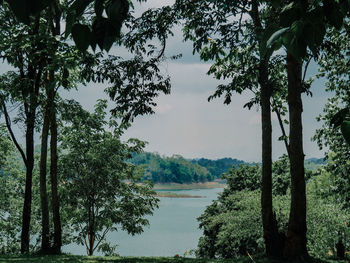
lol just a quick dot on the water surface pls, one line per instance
(173, 227)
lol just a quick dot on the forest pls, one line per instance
(79, 184)
(177, 169)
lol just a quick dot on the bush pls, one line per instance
(232, 224)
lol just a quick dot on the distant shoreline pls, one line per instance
(176, 186)
(175, 195)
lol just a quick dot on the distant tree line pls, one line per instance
(177, 169)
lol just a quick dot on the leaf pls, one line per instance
(79, 6)
(275, 36)
(339, 117)
(265, 35)
(69, 22)
(118, 10)
(333, 13)
(36, 6)
(345, 129)
(289, 14)
(98, 31)
(297, 28)
(98, 7)
(81, 35)
(275, 3)
(20, 9)
(23, 9)
(296, 46)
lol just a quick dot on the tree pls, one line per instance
(302, 26)
(23, 87)
(234, 35)
(52, 63)
(102, 189)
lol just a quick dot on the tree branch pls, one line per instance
(284, 134)
(13, 137)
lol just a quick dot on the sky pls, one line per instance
(185, 123)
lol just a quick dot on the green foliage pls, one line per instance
(5, 145)
(335, 67)
(232, 224)
(175, 169)
(11, 196)
(327, 221)
(244, 177)
(303, 24)
(101, 188)
(219, 166)
(103, 31)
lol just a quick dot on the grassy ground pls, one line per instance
(85, 259)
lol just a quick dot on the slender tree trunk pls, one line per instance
(91, 234)
(45, 235)
(274, 241)
(54, 184)
(27, 206)
(296, 236)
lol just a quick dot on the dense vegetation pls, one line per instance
(240, 202)
(219, 166)
(177, 169)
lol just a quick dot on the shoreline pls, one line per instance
(176, 186)
(174, 195)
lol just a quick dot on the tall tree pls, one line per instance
(24, 87)
(234, 35)
(50, 64)
(303, 26)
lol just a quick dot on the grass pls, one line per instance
(85, 259)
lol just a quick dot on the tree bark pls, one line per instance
(296, 236)
(27, 206)
(57, 244)
(274, 241)
(45, 217)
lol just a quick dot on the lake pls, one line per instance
(173, 228)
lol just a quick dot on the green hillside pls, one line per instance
(177, 169)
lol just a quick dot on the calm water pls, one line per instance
(173, 228)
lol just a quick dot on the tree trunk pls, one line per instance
(45, 235)
(27, 206)
(296, 236)
(54, 185)
(274, 241)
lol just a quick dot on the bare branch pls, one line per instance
(13, 137)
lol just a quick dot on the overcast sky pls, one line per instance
(186, 123)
